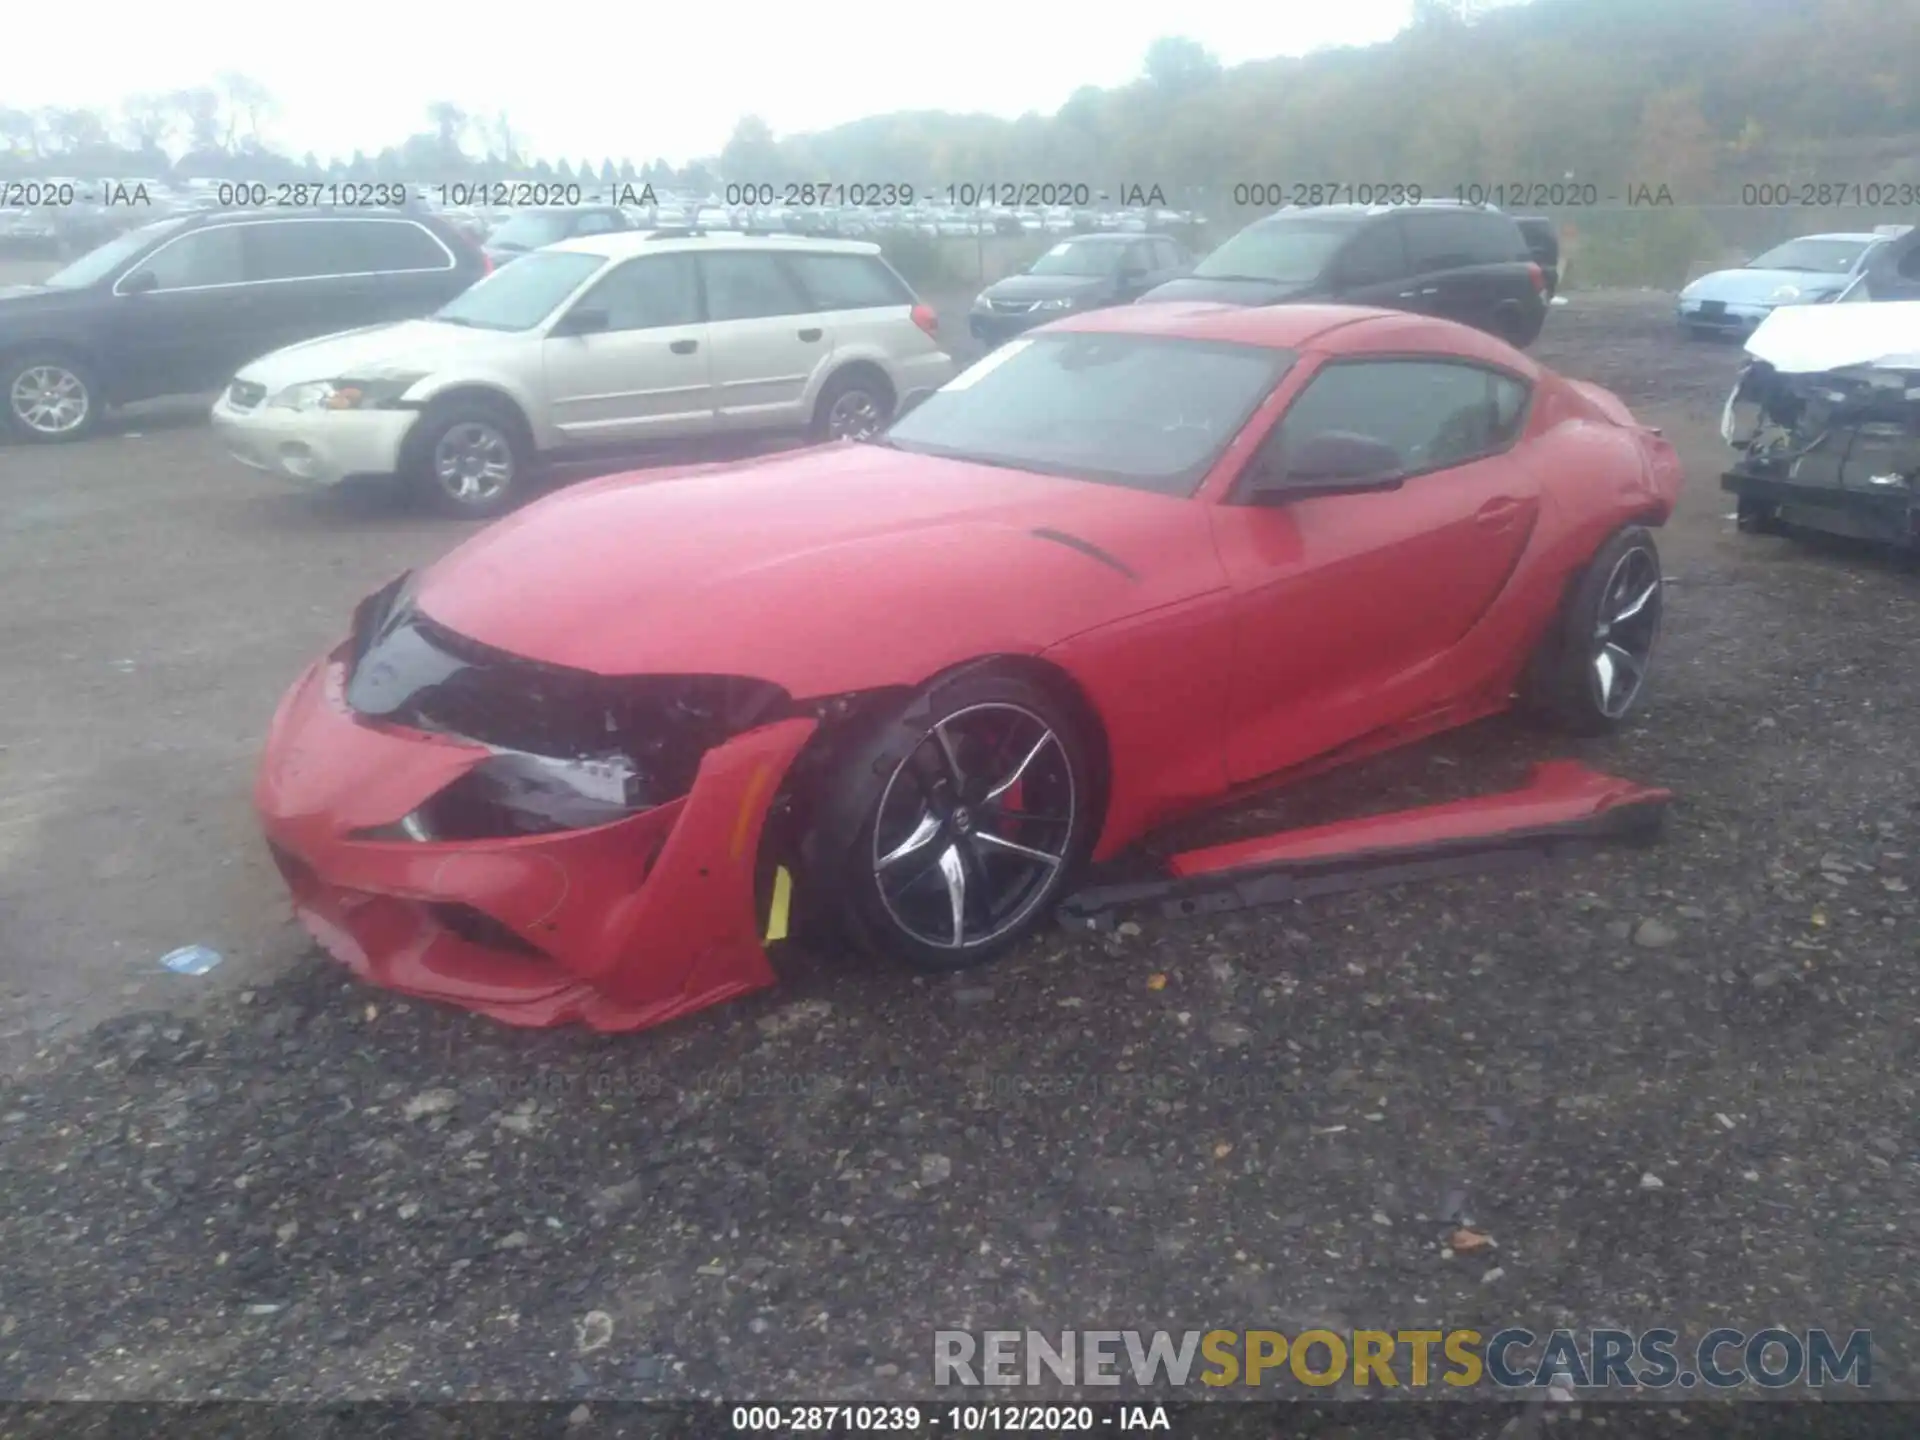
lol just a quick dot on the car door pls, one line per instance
(862, 306)
(641, 370)
(182, 320)
(767, 343)
(312, 275)
(1347, 607)
(1371, 269)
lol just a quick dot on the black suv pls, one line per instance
(1460, 262)
(175, 307)
(528, 230)
(1083, 273)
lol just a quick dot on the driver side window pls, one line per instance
(653, 292)
(1429, 414)
(213, 256)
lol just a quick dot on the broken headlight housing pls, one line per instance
(514, 793)
(571, 749)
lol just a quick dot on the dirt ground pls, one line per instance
(270, 1182)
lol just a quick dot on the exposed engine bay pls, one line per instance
(1857, 426)
(1826, 417)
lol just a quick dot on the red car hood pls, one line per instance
(823, 571)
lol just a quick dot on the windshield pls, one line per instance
(1290, 251)
(1086, 258)
(519, 296)
(97, 264)
(1146, 412)
(1829, 257)
(531, 229)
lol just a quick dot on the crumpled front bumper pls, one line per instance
(618, 927)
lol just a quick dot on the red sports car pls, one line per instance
(1129, 565)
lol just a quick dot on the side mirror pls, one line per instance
(140, 283)
(582, 322)
(1334, 462)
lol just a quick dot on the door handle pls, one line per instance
(1432, 290)
(809, 335)
(1408, 294)
(1496, 513)
(684, 347)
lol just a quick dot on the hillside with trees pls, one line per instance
(1686, 92)
(1702, 97)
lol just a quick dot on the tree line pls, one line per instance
(1691, 94)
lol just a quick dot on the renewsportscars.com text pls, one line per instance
(1655, 1359)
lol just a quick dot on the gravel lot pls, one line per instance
(269, 1182)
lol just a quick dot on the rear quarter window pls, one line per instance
(849, 282)
(397, 245)
(1442, 240)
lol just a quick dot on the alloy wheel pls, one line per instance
(1625, 630)
(854, 416)
(974, 825)
(49, 399)
(473, 462)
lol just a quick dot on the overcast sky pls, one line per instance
(592, 79)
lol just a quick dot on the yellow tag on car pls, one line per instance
(782, 902)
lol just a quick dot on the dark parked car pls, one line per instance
(175, 307)
(1460, 262)
(1083, 273)
(531, 229)
(1076, 275)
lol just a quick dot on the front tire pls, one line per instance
(958, 821)
(470, 459)
(1591, 669)
(50, 397)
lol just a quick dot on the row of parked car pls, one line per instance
(356, 343)
(1466, 263)
(66, 216)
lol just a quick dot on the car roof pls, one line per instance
(1435, 205)
(1333, 329)
(1114, 237)
(623, 244)
(1864, 236)
(200, 219)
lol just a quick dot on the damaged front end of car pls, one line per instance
(541, 844)
(1826, 420)
(568, 750)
